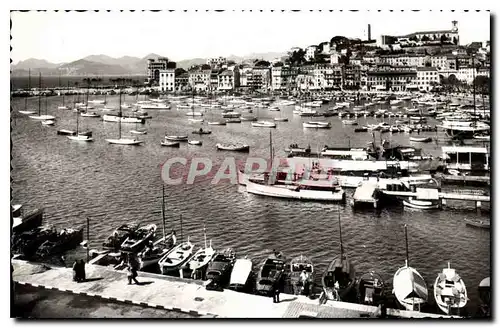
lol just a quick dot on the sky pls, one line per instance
(67, 36)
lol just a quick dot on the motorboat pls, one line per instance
(421, 204)
(139, 238)
(170, 144)
(317, 125)
(232, 147)
(477, 223)
(450, 292)
(301, 275)
(25, 221)
(119, 235)
(176, 257)
(298, 188)
(271, 271)
(195, 142)
(409, 287)
(264, 124)
(241, 275)
(81, 137)
(420, 139)
(219, 269)
(370, 288)
(122, 119)
(176, 138)
(67, 238)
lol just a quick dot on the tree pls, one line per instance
(262, 63)
(444, 38)
(205, 66)
(278, 64)
(179, 71)
(425, 38)
(231, 62)
(413, 38)
(455, 40)
(482, 84)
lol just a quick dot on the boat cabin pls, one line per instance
(466, 158)
(352, 154)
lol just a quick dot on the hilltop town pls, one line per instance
(421, 61)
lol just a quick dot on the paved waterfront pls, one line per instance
(182, 296)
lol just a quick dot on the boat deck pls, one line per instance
(188, 296)
(364, 193)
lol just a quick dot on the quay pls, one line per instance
(189, 296)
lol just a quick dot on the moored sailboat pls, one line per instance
(39, 116)
(120, 140)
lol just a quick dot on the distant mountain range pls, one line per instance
(106, 65)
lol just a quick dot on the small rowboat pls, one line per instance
(370, 286)
(420, 204)
(176, 138)
(138, 131)
(449, 291)
(48, 122)
(477, 223)
(281, 119)
(195, 142)
(170, 144)
(223, 122)
(87, 114)
(349, 122)
(26, 112)
(423, 139)
(233, 147)
(201, 131)
(65, 132)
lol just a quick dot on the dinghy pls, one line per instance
(65, 132)
(201, 131)
(195, 142)
(233, 147)
(281, 119)
(198, 263)
(81, 137)
(477, 223)
(449, 291)
(349, 122)
(263, 124)
(223, 122)
(170, 144)
(48, 122)
(176, 138)
(316, 125)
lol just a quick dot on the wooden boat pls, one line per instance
(152, 254)
(193, 114)
(270, 273)
(170, 144)
(248, 118)
(195, 142)
(201, 131)
(421, 204)
(410, 288)
(370, 288)
(281, 119)
(477, 223)
(176, 257)
(263, 124)
(65, 132)
(199, 261)
(219, 269)
(25, 221)
(223, 122)
(27, 242)
(176, 138)
(139, 132)
(349, 122)
(317, 125)
(481, 137)
(232, 147)
(449, 291)
(120, 140)
(39, 116)
(421, 139)
(340, 276)
(241, 275)
(89, 114)
(66, 239)
(122, 119)
(301, 275)
(116, 239)
(48, 122)
(233, 120)
(138, 238)
(81, 137)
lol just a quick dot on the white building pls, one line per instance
(334, 58)
(310, 51)
(427, 78)
(167, 80)
(218, 61)
(199, 80)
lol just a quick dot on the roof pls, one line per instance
(228, 73)
(426, 32)
(426, 69)
(458, 149)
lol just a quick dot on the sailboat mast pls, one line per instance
(39, 91)
(205, 234)
(474, 86)
(182, 238)
(119, 113)
(271, 146)
(340, 234)
(29, 89)
(163, 209)
(407, 256)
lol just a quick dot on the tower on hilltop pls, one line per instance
(455, 27)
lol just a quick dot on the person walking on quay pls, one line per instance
(82, 271)
(276, 291)
(75, 270)
(132, 271)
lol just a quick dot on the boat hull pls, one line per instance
(125, 142)
(296, 193)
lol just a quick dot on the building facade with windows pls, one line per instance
(427, 78)
(167, 80)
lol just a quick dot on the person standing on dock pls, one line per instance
(132, 270)
(82, 271)
(276, 291)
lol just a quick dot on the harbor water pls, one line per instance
(112, 185)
